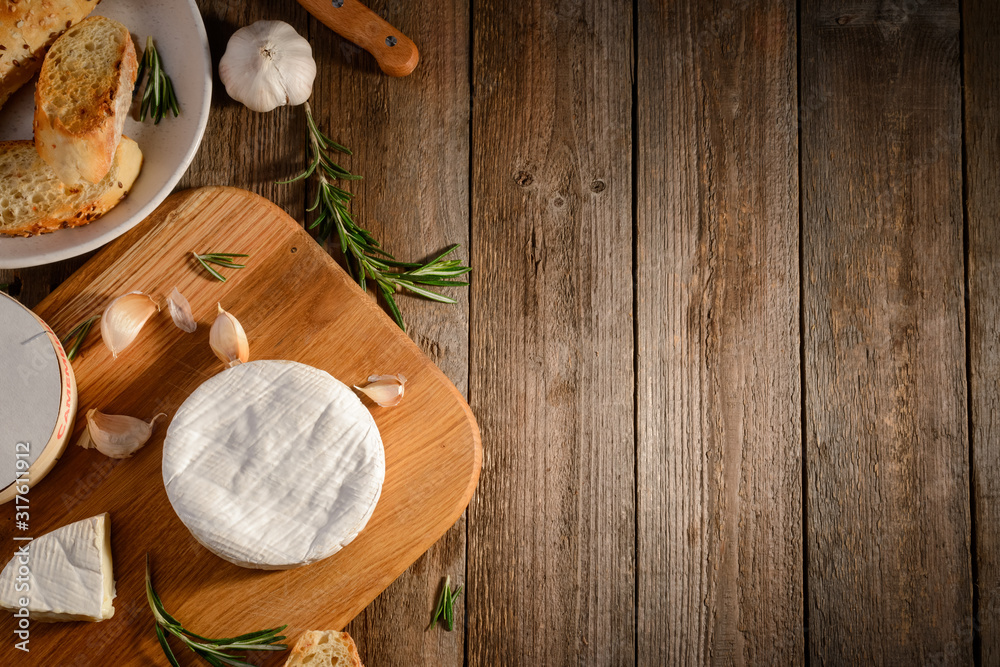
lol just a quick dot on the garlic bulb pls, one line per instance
(267, 65)
(123, 318)
(116, 436)
(228, 340)
(386, 390)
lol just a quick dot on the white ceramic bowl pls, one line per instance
(167, 148)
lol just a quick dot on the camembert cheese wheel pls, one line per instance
(37, 399)
(273, 464)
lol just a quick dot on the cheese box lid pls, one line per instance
(37, 397)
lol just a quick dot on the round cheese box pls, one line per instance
(37, 398)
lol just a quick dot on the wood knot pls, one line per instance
(524, 179)
(598, 186)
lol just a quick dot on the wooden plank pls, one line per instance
(719, 423)
(432, 450)
(410, 138)
(981, 25)
(244, 148)
(888, 544)
(551, 529)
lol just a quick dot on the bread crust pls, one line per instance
(23, 46)
(307, 643)
(79, 140)
(70, 212)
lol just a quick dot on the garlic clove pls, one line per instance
(386, 390)
(180, 312)
(267, 64)
(228, 340)
(116, 436)
(123, 318)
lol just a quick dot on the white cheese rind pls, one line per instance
(70, 574)
(273, 464)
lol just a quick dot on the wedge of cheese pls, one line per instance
(65, 575)
(273, 464)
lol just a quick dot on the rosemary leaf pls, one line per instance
(366, 260)
(167, 651)
(224, 259)
(74, 339)
(445, 610)
(451, 608)
(216, 652)
(442, 600)
(158, 97)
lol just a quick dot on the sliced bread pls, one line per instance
(33, 200)
(82, 98)
(27, 29)
(318, 648)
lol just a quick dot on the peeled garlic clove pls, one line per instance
(123, 318)
(228, 340)
(386, 390)
(116, 436)
(180, 312)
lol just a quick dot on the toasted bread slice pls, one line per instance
(83, 96)
(33, 200)
(27, 29)
(318, 648)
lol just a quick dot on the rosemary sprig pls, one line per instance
(74, 339)
(365, 257)
(219, 259)
(213, 651)
(158, 98)
(445, 609)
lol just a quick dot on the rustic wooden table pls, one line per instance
(732, 332)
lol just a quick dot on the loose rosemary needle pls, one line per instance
(365, 257)
(445, 609)
(219, 259)
(74, 339)
(216, 652)
(158, 97)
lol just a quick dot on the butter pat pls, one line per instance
(69, 574)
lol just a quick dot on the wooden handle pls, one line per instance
(396, 53)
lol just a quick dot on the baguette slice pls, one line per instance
(316, 648)
(27, 29)
(83, 96)
(33, 200)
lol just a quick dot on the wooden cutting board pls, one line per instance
(295, 303)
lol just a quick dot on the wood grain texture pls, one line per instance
(719, 423)
(430, 472)
(241, 147)
(410, 139)
(981, 24)
(551, 530)
(888, 513)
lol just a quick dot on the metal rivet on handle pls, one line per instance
(337, 3)
(390, 41)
